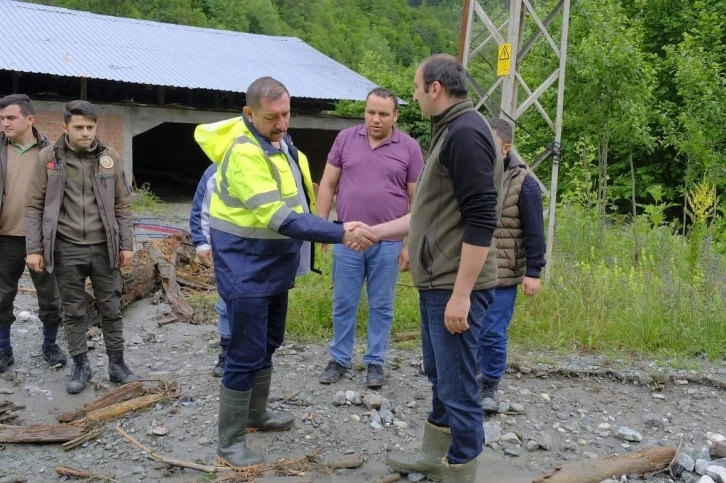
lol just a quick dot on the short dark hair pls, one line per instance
(20, 100)
(385, 94)
(447, 71)
(264, 88)
(502, 129)
(80, 108)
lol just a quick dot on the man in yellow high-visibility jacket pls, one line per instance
(261, 227)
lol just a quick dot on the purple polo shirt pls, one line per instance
(373, 181)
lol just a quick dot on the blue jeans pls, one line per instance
(258, 329)
(493, 336)
(379, 265)
(223, 321)
(450, 363)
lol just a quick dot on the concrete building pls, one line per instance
(155, 82)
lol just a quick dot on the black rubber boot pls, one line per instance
(80, 374)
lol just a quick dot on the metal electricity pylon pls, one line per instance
(480, 19)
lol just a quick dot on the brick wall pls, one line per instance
(110, 127)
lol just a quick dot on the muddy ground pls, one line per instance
(564, 418)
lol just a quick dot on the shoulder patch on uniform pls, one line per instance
(106, 162)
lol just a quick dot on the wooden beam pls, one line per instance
(84, 88)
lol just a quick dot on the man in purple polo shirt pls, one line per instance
(373, 169)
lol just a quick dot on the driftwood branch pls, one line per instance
(117, 410)
(596, 470)
(74, 473)
(169, 283)
(86, 437)
(171, 461)
(51, 433)
(120, 394)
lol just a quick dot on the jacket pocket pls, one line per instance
(426, 259)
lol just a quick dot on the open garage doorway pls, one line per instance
(169, 161)
(316, 144)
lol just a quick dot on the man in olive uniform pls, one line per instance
(78, 219)
(20, 144)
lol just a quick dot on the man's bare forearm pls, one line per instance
(397, 228)
(472, 261)
(324, 202)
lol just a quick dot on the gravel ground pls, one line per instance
(572, 408)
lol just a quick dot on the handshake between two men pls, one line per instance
(359, 236)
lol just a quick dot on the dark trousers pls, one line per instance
(12, 265)
(73, 264)
(450, 362)
(258, 329)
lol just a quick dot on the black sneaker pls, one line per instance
(375, 377)
(488, 389)
(332, 373)
(53, 354)
(6, 360)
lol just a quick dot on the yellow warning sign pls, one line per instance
(504, 59)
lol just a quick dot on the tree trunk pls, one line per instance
(636, 254)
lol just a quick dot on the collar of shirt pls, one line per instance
(22, 149)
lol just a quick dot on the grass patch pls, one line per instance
(143, 200)
(596, 302)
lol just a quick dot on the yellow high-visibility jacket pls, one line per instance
(257, 217)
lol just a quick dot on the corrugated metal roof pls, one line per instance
(51, 40)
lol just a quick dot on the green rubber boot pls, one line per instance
(259, 419)
(429, 460)
(232, 428)
(465, 473)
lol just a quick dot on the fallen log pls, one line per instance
(51, 433)
(718, 450)
(120, 394)
(401, 336)
(117, 410)
(596, 470)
